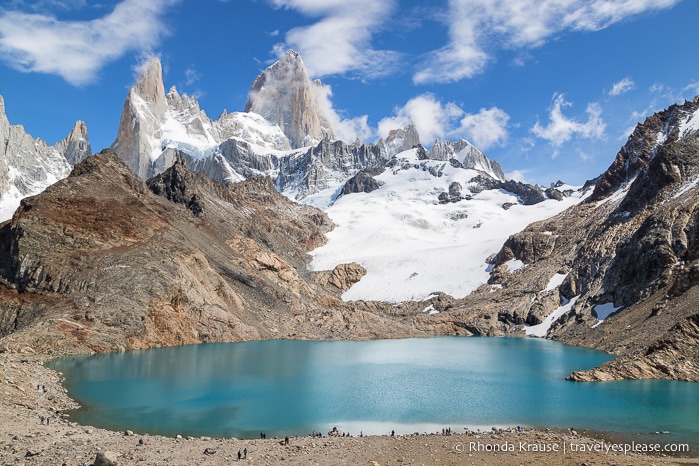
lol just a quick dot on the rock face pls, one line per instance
(285, 97)
(28, 165)
(102, 261)
(362, 182)
(625, 261)
(468, 155)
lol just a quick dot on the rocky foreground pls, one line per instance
(30, 391)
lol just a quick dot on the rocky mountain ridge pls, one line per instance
(284, 132)
(617, 272)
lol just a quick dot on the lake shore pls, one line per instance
(30, 391)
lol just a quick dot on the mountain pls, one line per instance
(103, 261)
(284, 133)
(28, 165)
(155, 128)
(284, 95)
(617, 272)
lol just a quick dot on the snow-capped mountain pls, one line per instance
(28, 165)
(156, 128)
(441, 210)
(283, 133)
(285, 97)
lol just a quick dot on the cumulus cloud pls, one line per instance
(76, 50)
(346, 129)
(486, 128)
(432, 118)
(622, 87)
(437, 120)
(477, 28)
(562, 129)
(517, 175)
(340, 40)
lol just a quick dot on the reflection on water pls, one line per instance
(296, 387)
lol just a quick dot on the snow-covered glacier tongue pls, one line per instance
(414, 240)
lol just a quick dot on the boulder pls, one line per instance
(106, 458)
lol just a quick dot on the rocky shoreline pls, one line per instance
(31, 391)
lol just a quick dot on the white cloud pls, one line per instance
(191, 76)
(432, 118)
(437, 120)
(486, 128)
(346, 129)
(517, 175)
(622, 87)
(340, 41)
(76, 50)
(561, 129)
(477, 28)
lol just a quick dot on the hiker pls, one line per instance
(245, 453)
(286, 440)
(393, 433)
(240, 455)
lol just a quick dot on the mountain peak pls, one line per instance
(658, 130)
(76, 146)
(285, 96)
(149, 85)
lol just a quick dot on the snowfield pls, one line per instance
(412, 246)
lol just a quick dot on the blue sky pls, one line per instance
(549, 88)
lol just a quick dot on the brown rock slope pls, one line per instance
(633, 246)
(102, 261)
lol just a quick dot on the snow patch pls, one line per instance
(690, 125)
(604, 310)
(542, 329)
(514, 265)
(555, 281)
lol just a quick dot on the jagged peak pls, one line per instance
(149, 85)
(2, 105)
(79, 130)
(662, 128)
(289, 68)
(285, 96)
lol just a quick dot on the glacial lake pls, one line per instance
(414, 385)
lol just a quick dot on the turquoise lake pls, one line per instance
(296, 387)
